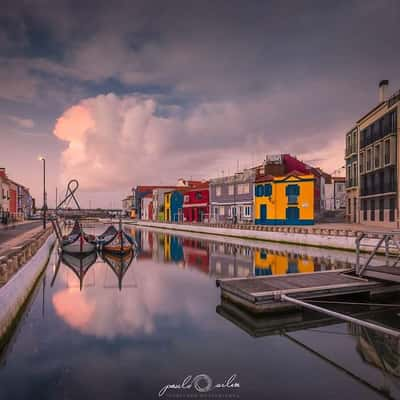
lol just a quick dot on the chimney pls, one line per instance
(383, 85)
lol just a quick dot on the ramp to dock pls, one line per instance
(262, 294)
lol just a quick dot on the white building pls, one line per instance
(335, 194)
(4, 191)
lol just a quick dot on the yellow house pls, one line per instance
(286, 200)
(167, 206)
(268, 263)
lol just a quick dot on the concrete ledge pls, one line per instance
(315, 237)
(15, 292)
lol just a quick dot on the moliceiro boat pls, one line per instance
(115, 241)
(78, 242)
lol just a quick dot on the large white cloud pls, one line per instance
(115, 142)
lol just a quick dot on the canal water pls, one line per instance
(109, 328)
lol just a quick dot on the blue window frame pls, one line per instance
(259, 190)
(268, 189)
(292, 193)
(263, 255)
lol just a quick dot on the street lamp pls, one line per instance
(44, 191)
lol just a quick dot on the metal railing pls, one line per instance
(387, 243)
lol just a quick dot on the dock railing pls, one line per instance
(387, 243)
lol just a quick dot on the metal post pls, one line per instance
(44, 192)
(344, 317)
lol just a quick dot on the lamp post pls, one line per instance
(44, 191)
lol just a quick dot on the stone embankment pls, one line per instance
(340, 238)
(12, 259)
(20, 269)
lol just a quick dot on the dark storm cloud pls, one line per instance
(288, 76)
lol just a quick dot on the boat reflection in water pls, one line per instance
(80, 264)
(222, 260)
(119, 264)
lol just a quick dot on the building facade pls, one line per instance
(4, 191)
(196, 203)
(127, 205)
(231, 197)
(173, 206)
(287, 200)
(158, 202)
(352, 176)
(146, 207)
(372, 165)
(283, 164)
(335, 194)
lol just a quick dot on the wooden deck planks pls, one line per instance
(260, 291)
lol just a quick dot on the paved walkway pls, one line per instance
(12, 236)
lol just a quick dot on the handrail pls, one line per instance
(390, 242)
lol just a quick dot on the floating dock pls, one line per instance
(264, 294)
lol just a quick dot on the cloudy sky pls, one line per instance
(130, 92)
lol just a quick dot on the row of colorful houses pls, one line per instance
(15, 199)
(281, 191)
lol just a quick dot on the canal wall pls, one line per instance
(319, 254)
(15, 292)
(318, 237)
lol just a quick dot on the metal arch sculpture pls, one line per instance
(72, 187)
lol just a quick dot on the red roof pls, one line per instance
(145, 188)
(264, 178)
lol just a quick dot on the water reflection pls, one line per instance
(221, 259)
(151, 320)
(320, 335)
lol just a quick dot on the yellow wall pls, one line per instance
(279, 264)
(167, 206)
(277, 203)
(167, 248)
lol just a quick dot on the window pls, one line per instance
(354, 144)
(381, 209)
(259, 191)
(268, 189)
(216, 209)
(349, 175)
(243, 188)
(369, 159)
(199, 196)
(247, 211)
(186, 198)
(292, 193)
(372, 210)
(361, 162)
(218, 190)
(377, 156)
(387, 152)
(365, 211)
(222, 210)
(393, 121)
(348, 144)
(231, 189)
(392, 205)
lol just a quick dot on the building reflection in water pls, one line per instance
(315, 333)
(219, 259)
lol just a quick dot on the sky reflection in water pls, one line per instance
(103, 338)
